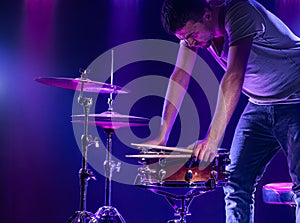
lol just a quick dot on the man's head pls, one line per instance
(189, 20)
(176, 13)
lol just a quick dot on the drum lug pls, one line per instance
(162, 162)
(227, 161)
(226, 174)
(188, 176)
(214, 174)
(211, 184)
(161, 174)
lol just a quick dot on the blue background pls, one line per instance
(40, 158)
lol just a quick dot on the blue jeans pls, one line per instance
(262, 130)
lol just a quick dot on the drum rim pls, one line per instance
(181, 184)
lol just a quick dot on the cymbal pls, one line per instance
(158, 156)
(110, 125)
(113, 120)
(75, 84)
(111, 115)
(162, 148)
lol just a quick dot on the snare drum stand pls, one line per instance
(108, 213)
(185, 201)
(182, 210)
(84, 174)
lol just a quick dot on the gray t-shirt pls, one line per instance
(273, 70)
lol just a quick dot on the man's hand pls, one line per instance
(204, 151)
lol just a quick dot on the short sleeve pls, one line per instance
(243, 20)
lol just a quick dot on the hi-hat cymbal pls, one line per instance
(75, 84)
(149, 146)
(111, 125)
(111, 115)
(158, 156)
(113, 120)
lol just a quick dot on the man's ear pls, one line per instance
(207, 16)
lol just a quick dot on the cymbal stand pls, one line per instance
(108, 213)
(84, 173)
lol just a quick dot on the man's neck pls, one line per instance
(218, 15)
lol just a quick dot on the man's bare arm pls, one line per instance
(178, 84)
(229, 93)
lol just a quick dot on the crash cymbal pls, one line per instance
(75, 84)
(111, 124)
(158, 156)
(149, 146)
(110, 115)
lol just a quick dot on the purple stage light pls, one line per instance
(289, 12)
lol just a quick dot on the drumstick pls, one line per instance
(163, 148)
(158, 156)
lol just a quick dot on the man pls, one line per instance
(261, 57)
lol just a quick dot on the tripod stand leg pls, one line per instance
(83, 217)
(72, 218)
(108, 214)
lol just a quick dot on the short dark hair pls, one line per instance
(176, 13)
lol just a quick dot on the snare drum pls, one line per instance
(176, 172)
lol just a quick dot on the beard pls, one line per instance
(206, 44)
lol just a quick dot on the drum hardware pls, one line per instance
(83, 84)
(145, 172)
(178, 168)
(181, 203)
(145, 175)
(108, 213)
(158, 175)
(109, 121)
(188, 176)
(84, 173)
(161, 179)
(148, 175)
